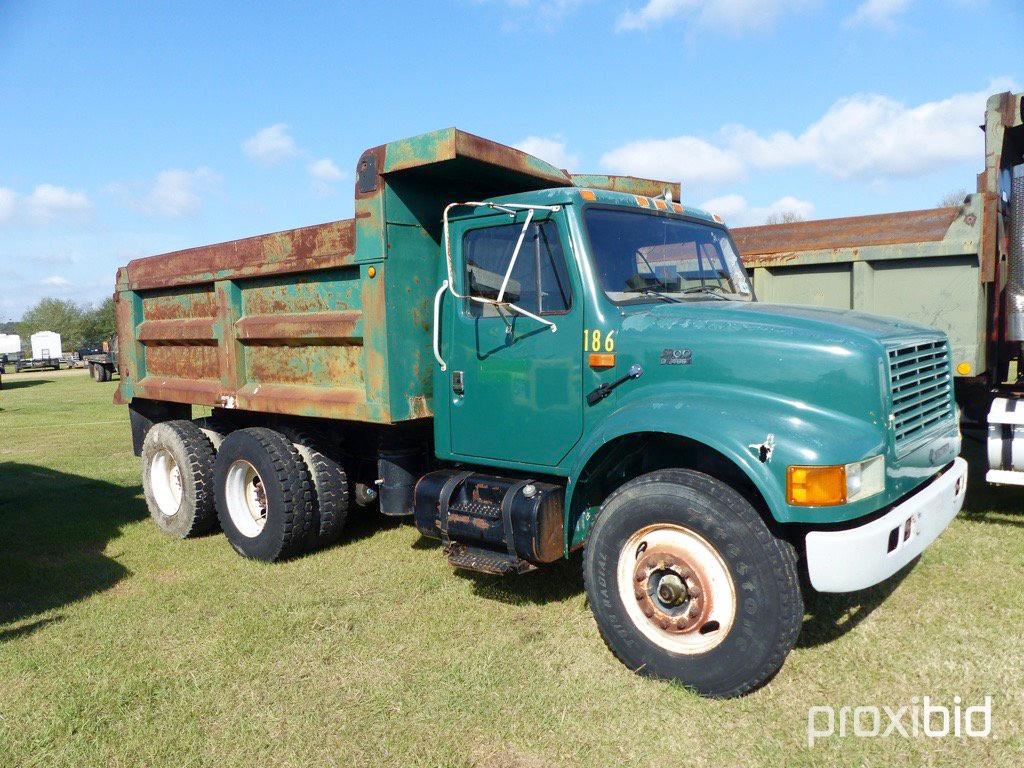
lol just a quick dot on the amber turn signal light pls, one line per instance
(600, 360)
(816, 486)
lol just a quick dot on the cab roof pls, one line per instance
(585, 195)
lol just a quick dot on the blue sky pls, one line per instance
(128, 129)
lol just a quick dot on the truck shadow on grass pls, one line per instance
(554, 583)
(54, 528)
(829, 616)
(9, 383)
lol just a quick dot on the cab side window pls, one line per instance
(539, 282)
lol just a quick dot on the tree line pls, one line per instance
(77, 324)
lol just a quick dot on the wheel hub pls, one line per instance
(166, 482)
(246, 498)
(670, 591)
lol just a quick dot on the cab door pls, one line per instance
(515, 384)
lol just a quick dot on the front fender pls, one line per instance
(736, 422)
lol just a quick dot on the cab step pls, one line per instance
(486, 560)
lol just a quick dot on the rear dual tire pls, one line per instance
(265, 496)
(177, 479)
(330, 485)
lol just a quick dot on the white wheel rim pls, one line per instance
(165, 482)
(712, 607)
(246, 499)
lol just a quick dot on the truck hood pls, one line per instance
(833, 359)
(829, 325)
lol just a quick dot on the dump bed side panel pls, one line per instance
(924, 266)
(275, 323)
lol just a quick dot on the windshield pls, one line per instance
(641, 257)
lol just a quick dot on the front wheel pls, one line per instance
(688, 584)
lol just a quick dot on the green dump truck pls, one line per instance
(959, 269)
(527, 363)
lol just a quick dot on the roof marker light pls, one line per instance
(643, 202)
(588, 194)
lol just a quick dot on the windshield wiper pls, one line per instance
(652, 292)
(709, 290)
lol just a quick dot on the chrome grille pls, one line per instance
(920, 384)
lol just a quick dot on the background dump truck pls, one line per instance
(960, 269)
(102, 363)
(529, 362)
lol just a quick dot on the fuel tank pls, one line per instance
(507, 515)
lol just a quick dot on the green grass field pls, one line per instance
(121, 647)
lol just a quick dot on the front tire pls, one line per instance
(264, 494)
(688, 584)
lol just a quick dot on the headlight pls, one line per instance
(839, 484)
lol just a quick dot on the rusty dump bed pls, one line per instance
(779, 242)
(927, 266)
(331, 320)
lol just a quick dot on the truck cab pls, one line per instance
(578, 362)
(641, 335)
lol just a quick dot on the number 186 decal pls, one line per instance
(594, 342)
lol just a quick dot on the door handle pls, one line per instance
(458, 383)
(437, 325)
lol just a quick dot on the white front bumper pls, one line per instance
(857, 558)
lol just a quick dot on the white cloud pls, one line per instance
(686, 158)
(51, 203)
(878, 13)
(56, 281)
(271, 145)
(323, 172)
(324, 169)
(554, 151)
(737, 212)
(46, 204)
(8, 203)
(173, 194)
(544, 14)
(865, 136)
(733, 15)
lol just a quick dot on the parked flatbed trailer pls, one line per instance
(40, 364)
(528, 363)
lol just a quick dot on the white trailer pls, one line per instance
(46, 353)
(10, 344)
